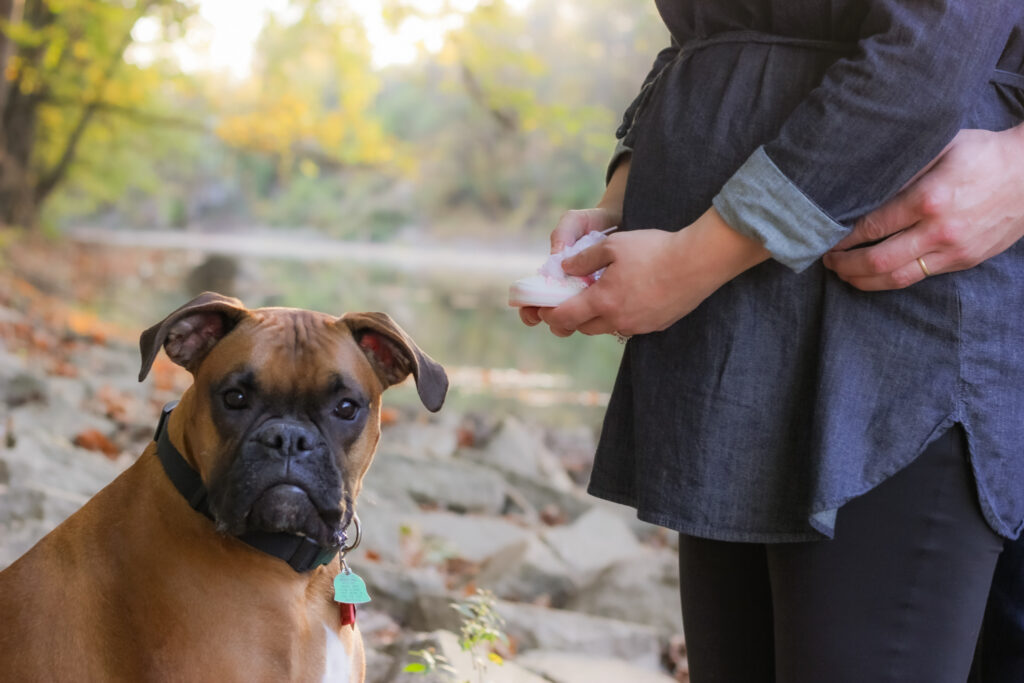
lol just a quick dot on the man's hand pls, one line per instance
(968, 207)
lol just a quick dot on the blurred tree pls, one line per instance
(309, 102)
(63, 69)
(514, 118)
(507, 124)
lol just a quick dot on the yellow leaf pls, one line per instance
(308, 168)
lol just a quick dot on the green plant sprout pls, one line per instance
(481, 629)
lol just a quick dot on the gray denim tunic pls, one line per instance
(787, 392)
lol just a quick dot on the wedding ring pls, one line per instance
(622, 338)
(924, 268)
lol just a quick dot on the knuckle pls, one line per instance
(946, 233)
(877, 262)
(604, 304)
(901, 279)
(934, 200)
(869, 227)
(961, 254)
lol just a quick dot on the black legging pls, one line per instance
(897, 595)
(1000, 654)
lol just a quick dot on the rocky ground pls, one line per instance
(452, 504)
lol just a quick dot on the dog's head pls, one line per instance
(283, 416)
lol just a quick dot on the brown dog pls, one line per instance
(212, 557)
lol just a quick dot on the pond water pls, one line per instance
(452, 301)
(463, 321)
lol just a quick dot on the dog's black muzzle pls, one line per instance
(284, 478)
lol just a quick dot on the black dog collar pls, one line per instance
(300, 552)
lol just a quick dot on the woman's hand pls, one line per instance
(572, 226)
(968, 207)
(575, 224)
(652, 278)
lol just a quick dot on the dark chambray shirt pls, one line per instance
(787, 392)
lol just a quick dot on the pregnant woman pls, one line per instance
(842, 466)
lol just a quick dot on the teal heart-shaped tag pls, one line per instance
(349, 587)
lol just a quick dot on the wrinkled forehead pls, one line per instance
(291, 352)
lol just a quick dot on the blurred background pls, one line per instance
(407, 156)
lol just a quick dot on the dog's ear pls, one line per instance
(394, 355)
(189, 333)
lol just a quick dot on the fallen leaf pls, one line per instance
(93, 440)
(465, 437)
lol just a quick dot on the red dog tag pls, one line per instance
(348, 613)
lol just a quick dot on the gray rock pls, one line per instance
(10, 315)
(516, 449)
(550, 629)
(20, 504)
(644, 531)
(592, 543)
(575, 448)
(643, 588)
(377, 495)
(56, 417)
(434, 536)
(23, 387)
(540, 495)
(49, 463)
(378, 666)
(111, 362)
(453, 485)
(47, 479)
(69, 391)
(433, 612)
(419, 440)
(560, 667)
(526, 572)
(395, 589)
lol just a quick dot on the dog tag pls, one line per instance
(350, 588)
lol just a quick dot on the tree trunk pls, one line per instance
(18, 123)
(10, 11)
(17, 194)
(51, 178)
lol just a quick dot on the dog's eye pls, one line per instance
(346, 409)
(235, 399)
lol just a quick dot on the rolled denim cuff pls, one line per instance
(759, 201)
(621, 150)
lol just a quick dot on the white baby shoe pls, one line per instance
(551, 285)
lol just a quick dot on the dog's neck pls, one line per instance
(301, 553)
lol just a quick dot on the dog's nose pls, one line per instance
(287, 439)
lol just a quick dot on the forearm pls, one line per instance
(723, 252)
(615, 190)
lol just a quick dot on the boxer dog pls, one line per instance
(212, 557)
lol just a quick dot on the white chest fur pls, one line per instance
(337, 665)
